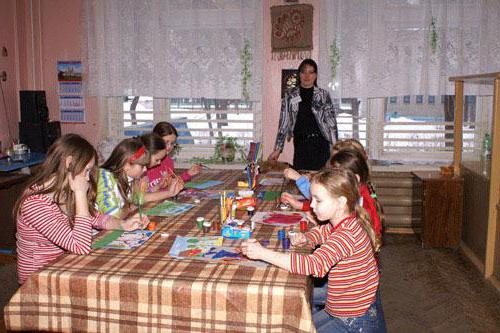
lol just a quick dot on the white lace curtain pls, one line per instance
(386, 48)
(171, 48)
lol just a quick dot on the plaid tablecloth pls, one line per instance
(146, 290)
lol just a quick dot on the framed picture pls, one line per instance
(289, 79)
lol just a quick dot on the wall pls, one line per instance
(40, 33)
(272, 80)
(8, 106)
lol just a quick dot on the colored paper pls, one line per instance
(123, 240)
(209, 248)
(278, 218)
(168, 208)
(203, 184)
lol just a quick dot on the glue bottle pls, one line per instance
(233, 210)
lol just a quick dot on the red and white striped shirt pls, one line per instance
(44, 233)
(346, 253)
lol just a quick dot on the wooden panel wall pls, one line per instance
(401, 197)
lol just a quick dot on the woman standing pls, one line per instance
(307, 115)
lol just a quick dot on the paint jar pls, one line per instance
(281, 234)
(292, 233)
(206, 226)
(303, 226)
(250, 211)
(199, 222)
(285, 243)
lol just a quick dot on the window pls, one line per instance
(199, 121)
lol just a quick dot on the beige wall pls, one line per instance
(38, 33)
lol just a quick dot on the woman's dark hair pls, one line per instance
(54, 172)
(153, 143)
(304, 63)
(352, 160)
(125, 152)
(164, 128)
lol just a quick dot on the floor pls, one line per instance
(423, 290)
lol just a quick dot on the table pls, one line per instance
(7, 165)
(146, 290)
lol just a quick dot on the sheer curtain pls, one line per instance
(171, 48)
(386, 50)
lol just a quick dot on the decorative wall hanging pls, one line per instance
(291, 31)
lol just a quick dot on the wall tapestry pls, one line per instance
(291, 31)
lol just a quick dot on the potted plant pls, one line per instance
(226, 148)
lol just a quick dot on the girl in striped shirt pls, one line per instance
(56, 211)
(345, 252)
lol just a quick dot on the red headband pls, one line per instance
(138, 154)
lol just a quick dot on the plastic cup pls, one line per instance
(206, 226)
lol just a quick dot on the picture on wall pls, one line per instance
(289, 79)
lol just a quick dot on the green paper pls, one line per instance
(112, 236)
(271, 195)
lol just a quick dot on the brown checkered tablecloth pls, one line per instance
(146, 290)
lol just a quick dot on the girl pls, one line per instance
(170, 185)
(169, 135)
(126, 164)
(345, 253)
(355, 162)
(56, 211)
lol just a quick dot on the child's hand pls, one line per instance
(298, 239)
(79, 183)
(175, 186)
(135, 223)
(287, 198)
(166, 181)
(311, 218)
(291, 174)
(195, 169)
(251, 248)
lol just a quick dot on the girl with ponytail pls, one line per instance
(344, 251)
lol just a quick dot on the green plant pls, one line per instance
(433, 35)
(226, 148)
(334, 58)
(246, 75)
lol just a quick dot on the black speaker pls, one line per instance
(33, 106)
(53, 132)
(39, 136)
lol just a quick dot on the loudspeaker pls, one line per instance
(39, 136)
(53, 132)
(33, 106)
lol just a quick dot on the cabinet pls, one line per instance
(442, 209)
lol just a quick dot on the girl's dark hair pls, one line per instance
(122, 154)
(342, 182)
(304, 63)
(164, 128)
(54, 172)
(352, 160)
(153, 142)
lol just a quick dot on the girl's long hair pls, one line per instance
(341, 182)
(125, 152)
(352, 160)
(54, 172)
(164, 128)
(153, 143)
